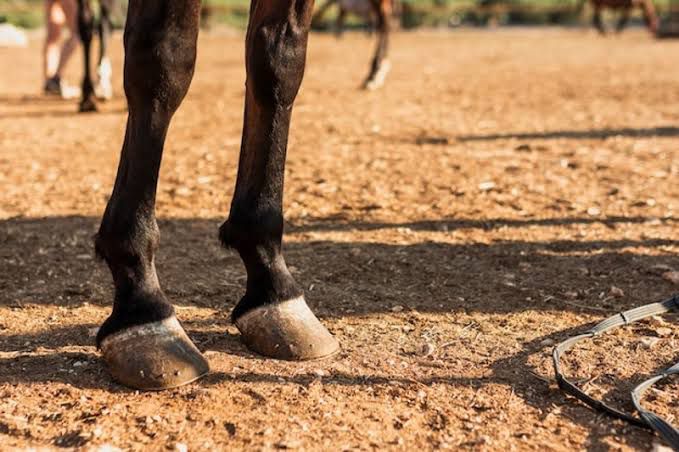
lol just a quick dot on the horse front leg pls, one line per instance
(142, 342)
(380, 66)
(86, 29)
(273, 317)
(104, 88)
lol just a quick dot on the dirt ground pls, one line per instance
(505, 190)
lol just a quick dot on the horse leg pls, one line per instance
(380, 65)
(142, 342)
(273, 317)
(104, 87)
(86, 28)
(597, 21)
(650, 15)
(624, 18)
(320, 12)
(340, 22)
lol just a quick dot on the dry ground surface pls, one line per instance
(505, 190)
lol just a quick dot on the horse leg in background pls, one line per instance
(650, 15)
(320, 12)
(597, 20)
(86, 29)
(624, 18)
(339, 23)
(104, 88)
(273, 317)
(380, 64)
(142, 342)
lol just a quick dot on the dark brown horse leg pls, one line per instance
(104, 88)
(320, 12)
(339, 23)
(380, 65)
(142, 342)
(86, 29)
(624, 18)
(272, 316)
(597, 21)
(650, 15)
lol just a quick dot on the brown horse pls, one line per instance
(625, 8)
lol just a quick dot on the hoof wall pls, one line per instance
(153, 356)
(288, 331)
(87, 106)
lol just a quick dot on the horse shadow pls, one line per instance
(49, 262)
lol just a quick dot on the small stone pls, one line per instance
(319, 372)
(105, 448)
(594, 211)
(571, 294)
(397, 308)
(672, 277)
(649, 342)
(547, 342)
(664, 331)
(486, 186)
(617, 292)
(180, 447)
(426, 349)
(183, 191)
(657, 447)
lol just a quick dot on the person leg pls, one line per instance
(54, 21)
(70, 9)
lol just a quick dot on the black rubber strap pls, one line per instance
(646, 419)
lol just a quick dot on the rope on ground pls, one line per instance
(646, 418)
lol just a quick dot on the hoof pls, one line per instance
(287, 330)
(87, 106)
(376, 80)
(153, 356)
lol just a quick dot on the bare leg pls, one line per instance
(104, 89)
(142, 342)
(86, 28)
(272, 316)
(71, 15)
(380, 65)
(54, 19)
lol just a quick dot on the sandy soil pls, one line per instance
(504, 191)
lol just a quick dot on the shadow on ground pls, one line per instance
(649, 132)
(49, 261)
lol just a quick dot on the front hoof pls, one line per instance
(287, 330)
(376, 80)
(153, 356)
(87, 106)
